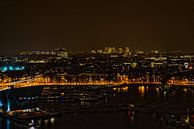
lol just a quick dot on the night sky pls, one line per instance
(94, 24)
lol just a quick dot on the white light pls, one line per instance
(46, 122)
(52, 120)
(32, 127)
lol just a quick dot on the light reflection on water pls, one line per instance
(7, 124)
(147, 88)
(158, 91)
(185, 90)
(52, 120)
(122, 89)
(46, 122)
(141, 90)
(32, 127)
(125, 89)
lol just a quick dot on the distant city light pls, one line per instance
(1, 104)
(17, 68)
(8, 106)
(11, 68)
(4, 69)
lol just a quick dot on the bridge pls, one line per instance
(39, 80)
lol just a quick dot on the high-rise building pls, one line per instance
(61, 53)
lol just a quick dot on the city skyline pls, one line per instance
(106, 50)
(85, 25)
(100, 64)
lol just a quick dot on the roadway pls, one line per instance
(20, 84)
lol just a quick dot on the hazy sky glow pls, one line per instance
(92, 24)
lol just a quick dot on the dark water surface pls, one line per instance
(140, 95)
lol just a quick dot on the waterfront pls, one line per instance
(97, 64)
(87, 117)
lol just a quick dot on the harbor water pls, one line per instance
(152, 104)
